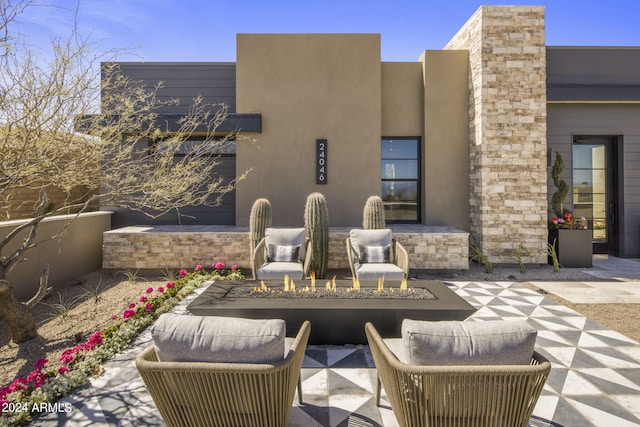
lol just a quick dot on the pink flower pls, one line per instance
(132, 305)
(149, 307)
(161, 289)
(234, 267)
(218, 265)
(63, 370)
(198, 267)
(114, 316)
(183, 272)
(37, 377)
(143, 299)
(95, 339)
(40, 363)
(68, 355)
(17, 384)
(128, 313)
(170, 285)
(149, 290)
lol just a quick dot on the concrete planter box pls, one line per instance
(574, 247)
(335, 321)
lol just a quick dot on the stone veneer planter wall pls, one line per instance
(507, 126)
(172, 246)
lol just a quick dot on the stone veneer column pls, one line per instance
(507, 114)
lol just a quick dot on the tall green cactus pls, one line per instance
(316, 224)
(259, 221)
(373, 214)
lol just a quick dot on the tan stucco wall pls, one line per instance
(402, 97)
(78, 251)
(446, 138)
(309, 87)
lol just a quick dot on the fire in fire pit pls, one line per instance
(290, 289)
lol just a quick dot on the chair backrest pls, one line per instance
(372, 245)
(212, 393)
(285, 244)
(461, 395)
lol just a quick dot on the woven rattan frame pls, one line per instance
(401, 257)
(225, 394)
(474, 396)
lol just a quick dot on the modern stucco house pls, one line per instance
(462, 138)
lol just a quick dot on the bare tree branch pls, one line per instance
(43, 289)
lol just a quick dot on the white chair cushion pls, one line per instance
(496, 342)
(396, 345)
(277, 270)
(286, 237)
(361, 239)
(184, 338)
(373, 271)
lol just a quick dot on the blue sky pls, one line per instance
(201, 30)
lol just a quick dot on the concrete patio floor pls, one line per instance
(594, 381)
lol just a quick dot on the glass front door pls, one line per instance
(594, 189)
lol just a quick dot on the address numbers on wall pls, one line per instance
(321, 161)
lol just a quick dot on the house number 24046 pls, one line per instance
(321, 161)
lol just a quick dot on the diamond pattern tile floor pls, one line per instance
(594, 381)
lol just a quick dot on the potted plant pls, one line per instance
(569, 236)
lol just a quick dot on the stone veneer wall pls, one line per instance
(507, 111)
(159, 247)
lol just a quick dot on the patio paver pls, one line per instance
(594, 381)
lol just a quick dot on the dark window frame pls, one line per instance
(417, 180)
(154, 142)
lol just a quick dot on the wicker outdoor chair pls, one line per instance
(225, 394)
(374, 253)
(283, 251)
(472, 395)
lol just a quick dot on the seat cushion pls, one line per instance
(277, 270)
(373, 271)
(185, 338)
(286, 237)
(496, 342)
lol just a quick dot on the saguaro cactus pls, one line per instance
(373, 214)
(259, 220)
(316, 224)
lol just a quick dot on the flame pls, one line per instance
(380, 283)
(263, 287)
(292, 286)
(403, 284)
(313, 281)
(356, 284)
(328, 286)
(286, 283)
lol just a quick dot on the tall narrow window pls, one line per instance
(401, 179)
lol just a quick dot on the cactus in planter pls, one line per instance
(316, 224)
(259, 221)
(373, 214)
(557, 200)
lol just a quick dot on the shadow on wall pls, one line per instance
(77, 252)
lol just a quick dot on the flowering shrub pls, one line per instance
(48, 382)
(568, 221)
